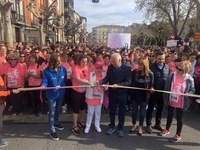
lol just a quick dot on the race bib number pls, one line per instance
(174, 98)
(97, 93)
(32, 71)
(12, 83)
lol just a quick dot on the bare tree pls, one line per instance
(5, 8)
(71, 27)
(198, 15)
(47, 18)
(176, 12)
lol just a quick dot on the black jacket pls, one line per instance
(160, 75)
(141, 81)
(120, 76)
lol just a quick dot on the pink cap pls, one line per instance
(98, 64)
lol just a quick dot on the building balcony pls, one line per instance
(19, 18)
(34, 23)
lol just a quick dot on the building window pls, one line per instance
(17, 7)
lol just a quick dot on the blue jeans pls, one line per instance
(135, 105)
(119, 100)
(54, 111)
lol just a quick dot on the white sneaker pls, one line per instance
(65, 107)
(87, 129)
(3, 143)
(98, 129)
(63, 110)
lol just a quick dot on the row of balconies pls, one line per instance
(17, 18)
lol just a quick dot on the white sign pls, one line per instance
(119, 40)
(172, 43)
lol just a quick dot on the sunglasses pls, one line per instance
(13, 59)
(179, 69)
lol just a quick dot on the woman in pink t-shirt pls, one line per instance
(179, 82)
(81, 76)
(14, 74)
(33, 75)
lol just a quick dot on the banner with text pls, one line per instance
(119, 40)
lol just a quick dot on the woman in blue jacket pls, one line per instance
(54, 76)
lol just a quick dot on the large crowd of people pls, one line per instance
(89, 70)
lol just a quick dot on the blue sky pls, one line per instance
(108, 12)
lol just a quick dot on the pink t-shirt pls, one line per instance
(15, 76)
(2, 60)
(35, 69)
(177, 86)
(81, 73)
(96, 94)
(72, 63)
(134, 67)
(172, 67)
(69, 70)
(44, 65)
(105, 69)
(23, 65)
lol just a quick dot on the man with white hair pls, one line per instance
(118, 74)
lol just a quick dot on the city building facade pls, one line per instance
(44, 20)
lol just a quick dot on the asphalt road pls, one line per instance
(28, 132)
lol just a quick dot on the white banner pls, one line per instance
(119, 40)
(172, 43)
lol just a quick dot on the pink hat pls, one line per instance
(98, 64)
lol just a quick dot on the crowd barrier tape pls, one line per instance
(52, 88)
(108, 86)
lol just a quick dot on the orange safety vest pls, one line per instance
(3, 93)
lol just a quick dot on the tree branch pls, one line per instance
(8, 5)
(2, 3)
(187, 16)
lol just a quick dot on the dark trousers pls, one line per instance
(135, 105)
(67, 97)
(155, 99)
(120, 100)
(179, 118)
(35, 97)
(16, 100)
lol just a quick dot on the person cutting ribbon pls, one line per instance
(54, 76)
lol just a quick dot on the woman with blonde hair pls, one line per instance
(141, 78)
(181, 82)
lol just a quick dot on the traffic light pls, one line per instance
(95, 1)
